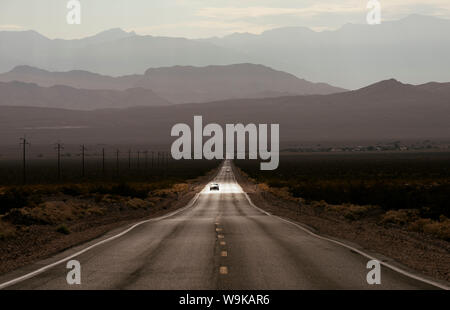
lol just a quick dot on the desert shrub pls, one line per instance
(12, 199)
(419, 224)
(263, 187)
(180, 187)
(6, 230)
(63, 229)
(439, 229)
(98, 198)
(399, 217)
(277, 183)
(322, 204)
(49, 212)
(137, 203)
(72, 190)
(128, 190)
(99, 189)
(349, 211)
(21, 217)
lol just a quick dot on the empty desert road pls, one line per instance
(220, 241)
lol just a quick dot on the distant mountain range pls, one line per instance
(114, 52)
(97, 89)
(414, 50)
(175, 84)
(31, 95)
(385, 110)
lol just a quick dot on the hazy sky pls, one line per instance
(200, 18)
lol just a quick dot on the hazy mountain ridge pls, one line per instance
(61, 96)
(414, 49)
(110, 52)
(181, 84)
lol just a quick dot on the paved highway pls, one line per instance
(220, 241)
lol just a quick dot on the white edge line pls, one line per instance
(45, 268)
(401, 271)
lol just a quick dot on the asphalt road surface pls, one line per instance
(221, 241)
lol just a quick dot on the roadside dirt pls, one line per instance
(420, 252)
(35, 242)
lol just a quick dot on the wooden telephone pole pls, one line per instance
(83, 149)
(103, 161)
(117, 161)
(146, 159)
(58, 148)
(24, 144)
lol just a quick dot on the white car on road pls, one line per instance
(214, 187)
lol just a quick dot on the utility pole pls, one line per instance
(59, 147)
(24, 144)
(103, 161)
(146, 159)
(129, 159)
(138, 159)
(83, 149)
(117, 162)
(153, 156)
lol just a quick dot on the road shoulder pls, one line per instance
(409, 251)
(38, 243)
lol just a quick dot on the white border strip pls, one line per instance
(45, 268)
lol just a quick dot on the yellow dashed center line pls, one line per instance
(223, 270)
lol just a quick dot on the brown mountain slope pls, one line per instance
(386, 110)
(26, 94)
